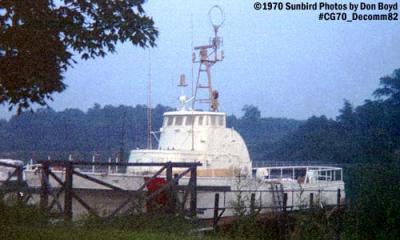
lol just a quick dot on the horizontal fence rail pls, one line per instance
(154, 164)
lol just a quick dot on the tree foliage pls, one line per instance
(39, 38)
(390, 88)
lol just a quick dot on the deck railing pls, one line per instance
(319, 173)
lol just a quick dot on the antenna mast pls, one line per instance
(123, 138)
(149, 140)
(209, 55)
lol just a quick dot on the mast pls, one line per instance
(123, 138)
(208, 56)
(149, 140)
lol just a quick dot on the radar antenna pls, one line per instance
(208, 56)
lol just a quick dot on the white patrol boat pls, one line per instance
(191, 135)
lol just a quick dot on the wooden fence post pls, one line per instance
(311, 200)
(44, 188)
(285, 224)
(216, 211)
(252, 203)
(175, 192)
(20, 179)
(68, 191)
(19, 172)
(285, 197)
(193, 191)
(338, 197)
(170, 190)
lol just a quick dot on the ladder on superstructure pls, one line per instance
(277, 195)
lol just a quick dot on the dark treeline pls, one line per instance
(102, 130)
(369, 133)
(106, 130)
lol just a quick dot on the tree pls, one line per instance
(251, 113)
(38, 39)
(346, 117)
(390, 88)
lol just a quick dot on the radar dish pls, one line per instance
(216, 16)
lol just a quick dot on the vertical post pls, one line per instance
(19, 170)
(285, 197)
(175, 192)
(252, 203)
(216, 211)
(339, 227)
(68, 192)
(311, 200)
(193, 191)
(285, 218)
(116, 165)
(109, 165)
(319, 197)
(93, 160)
(170, 207)
(44, 189)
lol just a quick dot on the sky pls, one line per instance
(287, 63)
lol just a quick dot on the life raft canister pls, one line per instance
(161, 199)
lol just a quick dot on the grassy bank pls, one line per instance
(72, 233)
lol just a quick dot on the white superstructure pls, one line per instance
(197, 136)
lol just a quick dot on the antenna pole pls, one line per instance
(149, 123)
(123, 138)
(193, 57)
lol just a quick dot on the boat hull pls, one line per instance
(237, 193)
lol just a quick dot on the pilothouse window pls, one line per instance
(221, 121)
(178, 120)
(200, 120)
(170, 120)
(189, 120)
(213, 120)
